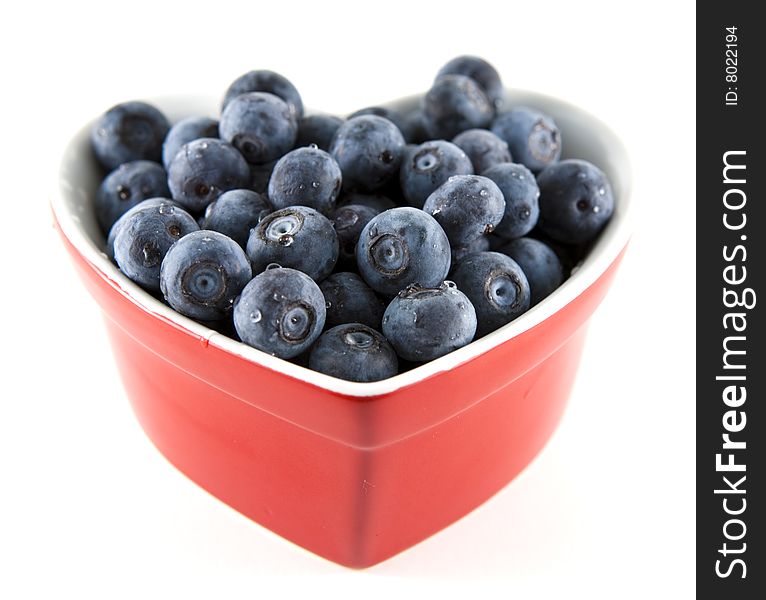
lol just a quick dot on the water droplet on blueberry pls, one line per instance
(123, 192)
(256, 316)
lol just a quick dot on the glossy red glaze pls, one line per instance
(353, 479)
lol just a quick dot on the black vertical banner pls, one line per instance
(731, 298)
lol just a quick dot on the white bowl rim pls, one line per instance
(608, 247)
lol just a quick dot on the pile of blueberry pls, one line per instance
(358, 247)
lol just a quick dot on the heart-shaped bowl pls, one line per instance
(355, 472)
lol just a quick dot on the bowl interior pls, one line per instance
(583, 136)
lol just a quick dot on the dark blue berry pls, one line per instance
(532, 137)
(127, 132)
(298, 237)
(481, 72)
(260, 125)
(281, 311)
(415, 125)
(466, 206)
(149, 202)
(369, 151)
(521, 194)
(185, 131)
(203, 273)
(354, 352)
(125, 187)
(575, 201)
(402, 246)
(317, 130)
(428, 166)
(235, 213)
(260, 176)
(203, 169)
(425, 323)
(392, 115)
(480, 244)
(497, 287)
(143, 238)
(539, 263)
(375, 201)
(453, 104)
(305, 177)
(349, 221)
(351, 300)
(270, 82)
(483, 148)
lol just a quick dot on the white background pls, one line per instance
(89, 509)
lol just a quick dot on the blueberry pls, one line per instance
(260, 125)
(466, 206)
(127, 132)
(318, 130)
(539, 263)
(481, 72)
(203, 273)
(425, 323)
(483, 148)
(351, 300)
(349, 221)
(392, 115)
(183, 132)
(453, 104)
(521, 195)
(480, 244)
(260, 176)
(204, 169)
(144, 237)
(354, 352)
(298, 237)
(497, 287)
(575, 201)
(270, 82)
(533, 138)
(149, 202)
(305, 177)
(415, 126)
(125, 187)
(375, 201)
(570, 255)
(369, 150)
(281, 311)
(235, 213)
(402, 246)
(428, 166)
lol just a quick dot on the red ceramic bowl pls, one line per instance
(355, 472)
